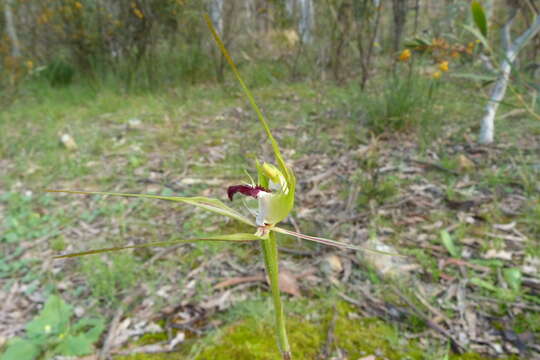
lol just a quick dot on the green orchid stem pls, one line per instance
(270, 251)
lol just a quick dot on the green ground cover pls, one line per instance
(198, 140)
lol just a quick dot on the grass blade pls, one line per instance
(238, 237)
(209, 204)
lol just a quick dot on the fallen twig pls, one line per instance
(456, 346)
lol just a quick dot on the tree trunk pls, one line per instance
(306, 20)
(216, 14)
(289, 8)
(399, 8)
(511, 50)
(10, 29)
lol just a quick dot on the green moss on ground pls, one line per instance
(254, 339)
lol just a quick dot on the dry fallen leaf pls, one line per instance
(498, 254)
(288, 283)
(465, 164)
(334, 262)
(68, 142)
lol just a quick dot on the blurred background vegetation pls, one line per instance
(143, 45)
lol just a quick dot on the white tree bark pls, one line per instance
(306, 20)
(216, 14)
(10, 29)
(511, 50)
(289, 7)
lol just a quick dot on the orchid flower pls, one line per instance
(275, 194)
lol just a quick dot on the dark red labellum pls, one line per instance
(247, 190)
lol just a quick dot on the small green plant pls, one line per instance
(51, 333)
(376, 188)
(23, 220)
(58, 73)
(108, 279)
(274, 191)
(405, 103)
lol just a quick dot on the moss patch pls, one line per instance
(253, 339)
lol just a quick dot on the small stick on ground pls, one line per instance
(434, 166)
(111, 334)
(327, 350)
(456, 346)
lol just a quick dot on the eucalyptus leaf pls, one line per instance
(479, 17)
(513, 278)
(448, 243)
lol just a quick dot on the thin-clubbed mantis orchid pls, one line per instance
(275, 194)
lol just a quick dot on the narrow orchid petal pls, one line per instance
(316, 239)
(238, 237)
(247, 92)
(330, 242)
(247, 190)
(209, 204)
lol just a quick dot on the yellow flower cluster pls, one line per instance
(443, 66)
(136, 11)
(405, 55)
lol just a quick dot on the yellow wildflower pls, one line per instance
(29, 64)
(138, 13)
(78, 5)
(443, 66)
(437, 74)
(405, 55)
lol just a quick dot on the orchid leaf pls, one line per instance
(238, 237)
(209, 204)
(275, 146)
(329, 242)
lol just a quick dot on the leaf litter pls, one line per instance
(485, 221)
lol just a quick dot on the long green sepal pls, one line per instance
(239, 237)
(209, 204)
(329, 242)
(275, 146)
(270, 252)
